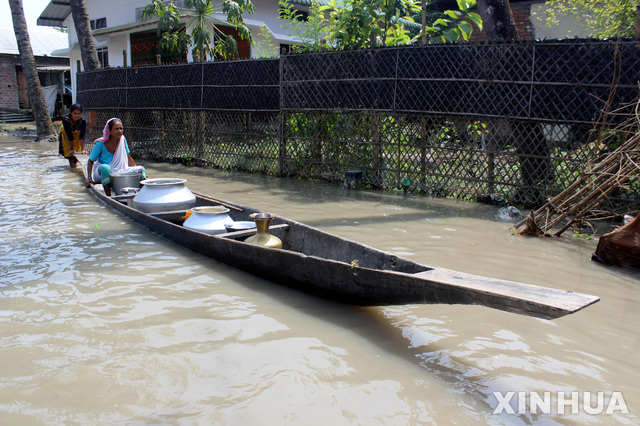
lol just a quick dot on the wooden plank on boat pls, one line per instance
(250, 232)
(123, 198)
(170, 215)
(525, 298)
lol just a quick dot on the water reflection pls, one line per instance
(103, 322)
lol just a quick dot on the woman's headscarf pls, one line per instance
(105, 132)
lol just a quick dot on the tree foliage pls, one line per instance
(357, 24)
(265, 44)
(455, 25)
(605, 18)
(192, 27)
(312, 32)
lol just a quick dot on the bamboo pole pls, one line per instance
(610, 185)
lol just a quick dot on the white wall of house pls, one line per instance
(117, 12)
(119, 43)
(267, 12)
(569, 26)
(122, 12)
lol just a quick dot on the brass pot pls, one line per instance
(262, 237)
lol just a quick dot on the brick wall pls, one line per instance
(8, 89)
(521, 14)
(13, 87)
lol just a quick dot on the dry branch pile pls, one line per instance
(596, 182)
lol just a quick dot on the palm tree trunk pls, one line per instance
(44, 126)
(88, 50)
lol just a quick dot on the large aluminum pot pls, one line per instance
(209, 219)
(162, 195)
(119, 181)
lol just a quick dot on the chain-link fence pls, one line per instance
(518, 119)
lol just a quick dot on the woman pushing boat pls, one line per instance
(110, 154)
(71, 135)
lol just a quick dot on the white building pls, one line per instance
(123, 39)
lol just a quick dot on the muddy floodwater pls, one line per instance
(102, 322)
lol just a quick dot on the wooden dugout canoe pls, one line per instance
(320, 263)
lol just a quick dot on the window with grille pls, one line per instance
(103, 56)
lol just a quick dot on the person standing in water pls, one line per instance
(110, 154)
(71, 135)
